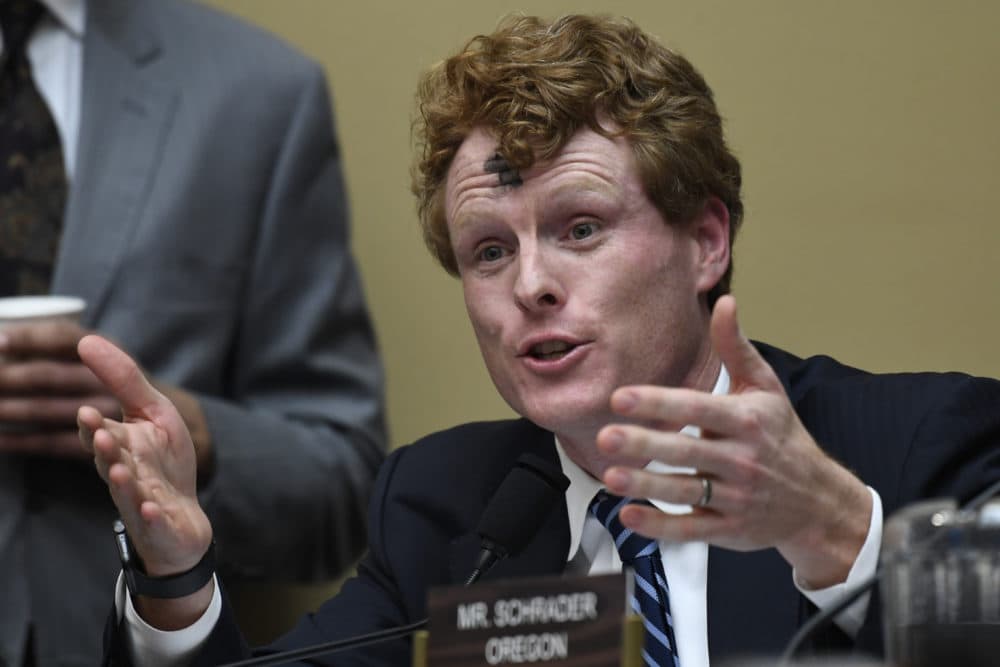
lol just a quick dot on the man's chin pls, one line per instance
(568, 417)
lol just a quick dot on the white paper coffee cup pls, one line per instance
(27, 309)
(32, 310)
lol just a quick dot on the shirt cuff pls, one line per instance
(865, 565)
(159, 648)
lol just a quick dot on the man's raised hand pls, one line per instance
(148, 462)
(772, 485)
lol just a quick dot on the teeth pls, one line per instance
(550, 349)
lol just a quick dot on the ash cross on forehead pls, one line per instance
(507, 175)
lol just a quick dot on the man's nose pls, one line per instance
(538, 286)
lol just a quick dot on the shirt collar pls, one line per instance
(70, 14)
(582, 486)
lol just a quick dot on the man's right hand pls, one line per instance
(42, 386)
(148, 462)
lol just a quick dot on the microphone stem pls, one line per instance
(488, 557)
(819, 620)
(332, 647)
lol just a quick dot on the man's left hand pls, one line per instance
(771, 484)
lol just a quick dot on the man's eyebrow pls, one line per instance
(584, 187)
(507, 175)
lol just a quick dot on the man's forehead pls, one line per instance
(506, 174)
(590, 164)
(471, 159)
(589, 156)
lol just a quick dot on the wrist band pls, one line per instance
(170, 586)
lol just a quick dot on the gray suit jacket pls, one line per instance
(207, 230)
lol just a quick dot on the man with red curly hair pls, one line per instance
(574, 175)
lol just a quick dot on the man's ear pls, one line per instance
(710, 230)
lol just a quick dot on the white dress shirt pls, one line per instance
(55, 51)
(162, 648)
(592, 551)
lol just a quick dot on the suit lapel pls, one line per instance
(124, 119)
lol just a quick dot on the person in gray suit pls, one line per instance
(206, 228)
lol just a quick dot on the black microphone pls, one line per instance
(826, 616)
(515, 512)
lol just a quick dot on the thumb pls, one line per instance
(745, 365)
(121, 375)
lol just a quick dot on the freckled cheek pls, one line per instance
(639, 316)
(486, 325)
(485, 311)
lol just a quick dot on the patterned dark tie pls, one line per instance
(651, 597)
(32, 174)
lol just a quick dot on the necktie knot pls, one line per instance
(605, 507)
(18, 19)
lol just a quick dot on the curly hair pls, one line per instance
(535, 83)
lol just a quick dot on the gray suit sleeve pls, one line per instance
(300, 435)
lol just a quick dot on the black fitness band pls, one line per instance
(171, 586)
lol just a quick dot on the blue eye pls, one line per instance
(582, 231)
(491, 253)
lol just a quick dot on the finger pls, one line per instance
(48, 376)
(107, 451)
(91, 417)
(127, 496)
(143, 514)
(699, 526)
(111, 445)
(679, 407)
(88, 420)
(62, 444)
(51, 411)
(53, 338)
(121, 375)
(745, 365)
(677, 489)
(676, 449)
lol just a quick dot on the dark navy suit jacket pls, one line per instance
(909, 436)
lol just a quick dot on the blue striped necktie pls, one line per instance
(650, 596)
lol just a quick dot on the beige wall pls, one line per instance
(870, 147)
(871, 154)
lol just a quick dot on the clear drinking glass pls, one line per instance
(941, 585)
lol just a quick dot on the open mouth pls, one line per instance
(551, 350)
